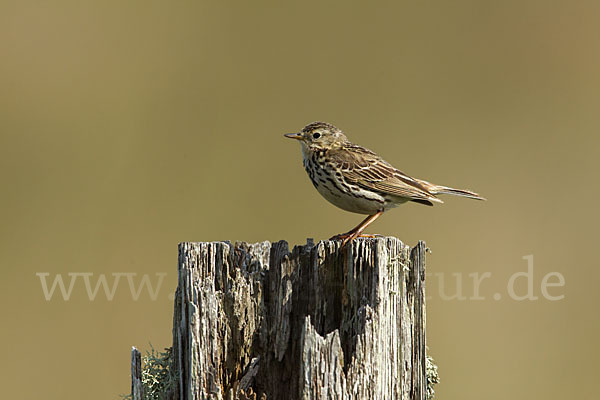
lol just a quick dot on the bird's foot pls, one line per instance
(350, 236)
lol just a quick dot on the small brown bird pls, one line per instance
(357, 180)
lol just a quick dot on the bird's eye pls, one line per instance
(316, 135)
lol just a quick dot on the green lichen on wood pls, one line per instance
(433, 378)
(158, 375)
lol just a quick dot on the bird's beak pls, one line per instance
(297, 136)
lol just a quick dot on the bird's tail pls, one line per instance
(439, 189)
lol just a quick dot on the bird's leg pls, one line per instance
(357, 231)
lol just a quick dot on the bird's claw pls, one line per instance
(350, 236)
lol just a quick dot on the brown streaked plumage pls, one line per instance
(356, 179)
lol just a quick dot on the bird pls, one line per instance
(358, 180)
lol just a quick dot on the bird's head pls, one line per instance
(319, 135)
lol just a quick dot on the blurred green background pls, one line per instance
(127, 127)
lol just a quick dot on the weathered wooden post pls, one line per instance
(137, 387)
(256, 321)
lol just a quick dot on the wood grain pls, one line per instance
(258, 321)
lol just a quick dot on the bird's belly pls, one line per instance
(360, 201)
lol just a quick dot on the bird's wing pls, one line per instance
(366, 169)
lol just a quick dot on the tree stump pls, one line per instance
(256, 321)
